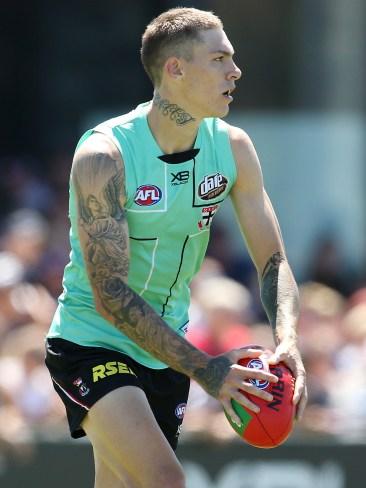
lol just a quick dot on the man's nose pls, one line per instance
(235, 73)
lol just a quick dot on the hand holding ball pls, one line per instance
(273, 424)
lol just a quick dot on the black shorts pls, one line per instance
(82, 375)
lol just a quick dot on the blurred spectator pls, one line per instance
(222, 312)
(328, 266)
(226, 311)
(25, 235)
(359, 296)
(11, 274)
(28, 406)
(24, 376)
(20, 301)
(27, 402)
(235, 265)
(239, 267)
(348, 393)
(24, 186)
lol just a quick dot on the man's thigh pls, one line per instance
(167, 393)
(127, 437)
(83, 375)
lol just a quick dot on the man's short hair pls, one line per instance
(172, 34)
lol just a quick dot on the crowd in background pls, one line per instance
(225, 313)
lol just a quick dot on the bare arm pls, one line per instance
(98, 179)
(260, 228)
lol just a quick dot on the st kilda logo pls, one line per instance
(147, 195)
(207, 216)
(83, 389)
(211, 186)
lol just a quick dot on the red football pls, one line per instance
(273, 424)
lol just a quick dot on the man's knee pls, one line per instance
(165, 476)
(171, 477)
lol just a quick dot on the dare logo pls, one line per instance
(211, 186)
(147, 195)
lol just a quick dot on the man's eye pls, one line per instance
(219, 58)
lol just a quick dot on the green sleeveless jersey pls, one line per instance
(170, 203)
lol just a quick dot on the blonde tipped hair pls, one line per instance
(173, 33)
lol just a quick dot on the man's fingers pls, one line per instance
(300, 396)
(244, 353)
(274, 359)
(231, 412)
(257, 374)
(245, 402)
(301, 405)
(253, 390)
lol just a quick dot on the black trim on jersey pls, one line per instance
(176, 278)
(208, 203)
(179, 157)
(143, 238)
(183, 325)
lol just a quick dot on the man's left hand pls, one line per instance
(290, 355)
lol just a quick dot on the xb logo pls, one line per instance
(180, 178)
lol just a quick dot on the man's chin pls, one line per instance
(219, 113)
(225, 113)
(222, 114)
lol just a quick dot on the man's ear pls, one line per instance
(173, 67)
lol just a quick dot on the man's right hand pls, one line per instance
(237, 378)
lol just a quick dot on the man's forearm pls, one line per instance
(280, 298)
(131, 315)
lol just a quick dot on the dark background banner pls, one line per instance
(207, 465)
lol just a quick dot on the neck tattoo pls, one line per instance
(172, 110)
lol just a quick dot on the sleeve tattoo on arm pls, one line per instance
(280, 297)
(269, 287)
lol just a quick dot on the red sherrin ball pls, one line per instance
(273, 424)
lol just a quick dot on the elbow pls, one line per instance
(101, 309)
(111, 297)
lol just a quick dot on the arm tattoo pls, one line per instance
(269, 287)
(103, 223)
(213, 374)
(280, 297)
(175, 113)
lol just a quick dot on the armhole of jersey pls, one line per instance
(107, 131)
(222, 130)
(83, 138)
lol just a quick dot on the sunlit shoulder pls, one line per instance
(247, 162)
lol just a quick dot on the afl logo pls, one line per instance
(147, 195)
(180, 410)
(257, 364)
